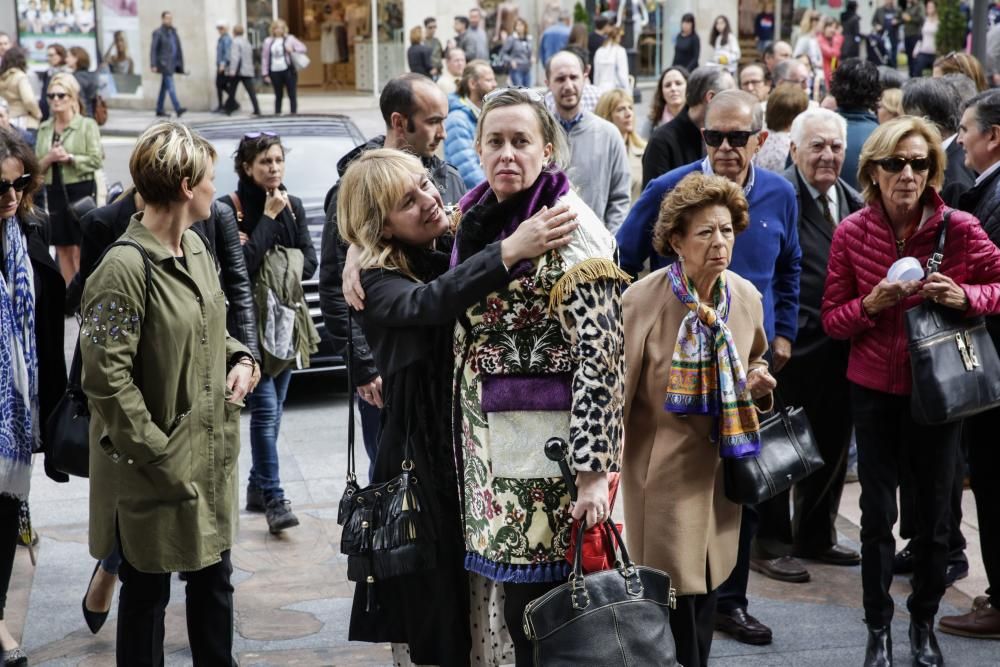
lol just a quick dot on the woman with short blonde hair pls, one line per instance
(616, 107)
(890, 104)
(277, 64)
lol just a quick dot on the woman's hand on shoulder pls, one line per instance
(548, 229)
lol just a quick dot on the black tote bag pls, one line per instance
(956, 371)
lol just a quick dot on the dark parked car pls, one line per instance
(314, 144)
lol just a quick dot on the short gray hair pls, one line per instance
(784, 68)
(705, 80)
(963, 85)
(740, 98)
(825, 115)
(987, 107)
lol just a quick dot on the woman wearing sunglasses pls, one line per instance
(32, 363)
(69, 152)
(901, 168)
(268, 218)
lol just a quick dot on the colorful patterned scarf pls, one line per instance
(19, 429)
(706, 376)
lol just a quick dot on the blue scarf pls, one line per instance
(19, 428)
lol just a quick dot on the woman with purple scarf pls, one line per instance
(391, 213)
(541, 356)
(695, 365)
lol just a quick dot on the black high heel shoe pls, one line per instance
(15, 658)
(95, 619)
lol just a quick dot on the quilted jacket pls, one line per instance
(863, 250)
(460, 140)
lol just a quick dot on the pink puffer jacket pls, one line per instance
(863, 249)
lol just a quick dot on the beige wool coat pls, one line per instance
(677, 516)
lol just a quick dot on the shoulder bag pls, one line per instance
(956, 371)
(788, 454)
(386, 530)
(610, 618)
(67, 430)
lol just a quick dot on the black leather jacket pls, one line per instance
(102, 227)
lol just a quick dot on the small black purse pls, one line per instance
(788, 454)
(67, 430)
(608, 618)
(386, 529)
(955, 368)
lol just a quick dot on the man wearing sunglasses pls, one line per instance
(414, 109)
(768, 255)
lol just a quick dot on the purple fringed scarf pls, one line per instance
(485, 220)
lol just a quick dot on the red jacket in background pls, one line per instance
(863, 249)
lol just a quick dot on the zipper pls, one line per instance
(942, 338)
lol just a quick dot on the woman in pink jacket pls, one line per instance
(277, 64)
(901, 167)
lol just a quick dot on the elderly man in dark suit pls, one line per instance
(816, 375)
(979, 134)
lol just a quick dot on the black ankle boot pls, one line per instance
(879, 650)
(923, 644)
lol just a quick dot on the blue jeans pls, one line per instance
(371, 428)
(521, 78)
(266, 405)
(167, 86)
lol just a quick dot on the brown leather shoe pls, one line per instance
(981, 623)
(784, 568)
(742, 627)
(838, 554)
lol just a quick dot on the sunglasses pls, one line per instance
(257, 135)
(736, 138)
(54, 96)
(19, 184)
(532, 94)
(894, 165)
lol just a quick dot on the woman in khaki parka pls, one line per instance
(166, 384)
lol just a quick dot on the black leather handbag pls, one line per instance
(955, 368)
(67, 430)
(608, 618)
(788, 454)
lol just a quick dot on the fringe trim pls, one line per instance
(588, 270)
(517, 574)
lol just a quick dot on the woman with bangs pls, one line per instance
(390, 211)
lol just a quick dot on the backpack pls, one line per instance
(285, 331)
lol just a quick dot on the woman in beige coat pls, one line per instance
(694, 353)
(15, 87)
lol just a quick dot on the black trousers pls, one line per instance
(248, 85)
(516, 598)
(909, 42)
(816, 381)
(907, 524)
(984, 466)
(692, 624)
(9, 513)
(732, 594)
(221, 85)
(143, 601)
(287, 79)
(884, 427)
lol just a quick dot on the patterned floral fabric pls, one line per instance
(517, 527)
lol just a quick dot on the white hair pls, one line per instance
(799, 124)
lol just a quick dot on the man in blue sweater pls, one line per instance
(768, 255)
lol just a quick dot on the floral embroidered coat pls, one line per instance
(542, 357)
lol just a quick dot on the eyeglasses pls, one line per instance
(257, 135)
(19, 184)
(532, 94)
(736, 138)
(54, 96)
(894, 165)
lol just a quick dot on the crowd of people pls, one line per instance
(734, 251)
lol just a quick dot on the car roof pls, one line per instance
(299, 125)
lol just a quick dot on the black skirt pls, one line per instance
(64, 228)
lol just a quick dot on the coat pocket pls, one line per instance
(231, 435)
(169, 476)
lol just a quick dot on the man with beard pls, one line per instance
(767, 254)
(414, 110)
(606, 189)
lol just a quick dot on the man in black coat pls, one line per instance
(414, 110)
(167, 58)
(979, 134)
(678, 142)
(815, 377)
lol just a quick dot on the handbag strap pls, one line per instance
(934, 261)
(351, 474)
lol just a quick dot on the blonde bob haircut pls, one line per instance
(369, 190)
(68, 83)
(278, 24)
(551, 132)
(882, 144)
(695, 192)
(164, 155)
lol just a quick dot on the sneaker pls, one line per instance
(280, 516)
(255, 499)
(162, 114)
(181, 111)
